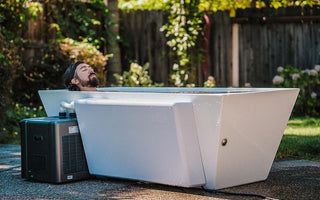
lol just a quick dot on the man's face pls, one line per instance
(86, 76)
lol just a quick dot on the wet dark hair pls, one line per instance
(69, 75)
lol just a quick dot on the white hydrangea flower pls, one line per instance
(134, 78)
(295, 76)
(177, 82)
(313, 95)
(186, 77)
(191, 85)
(317, 68)
(277, 80)
(135, 68)
(280, 69)
(210, 78)
(313, 72)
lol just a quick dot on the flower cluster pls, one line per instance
(137, 76)
(308, 80)
(87, 53)
(210, 82)
(180, 77)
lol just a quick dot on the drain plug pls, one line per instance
(224, 141)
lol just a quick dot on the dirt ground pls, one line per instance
(288, 179)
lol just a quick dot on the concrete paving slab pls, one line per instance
(289, 179)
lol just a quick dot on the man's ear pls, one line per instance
(75, 81)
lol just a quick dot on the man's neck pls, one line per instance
(88, 89)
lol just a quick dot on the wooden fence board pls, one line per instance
(276, 44)
(141, 29)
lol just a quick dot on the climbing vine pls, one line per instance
(182, 30)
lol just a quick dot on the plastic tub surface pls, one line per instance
(238, 130)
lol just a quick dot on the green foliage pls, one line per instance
(308, 102)
(78, 20)
(44, 71)
(10, 132)
(301, 139)
(285, 3)
(33, 8)
(215, 5)
(137, 76)
(11, 24)
(9, 62)
(230, 5)
(142, 4)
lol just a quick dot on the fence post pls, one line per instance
(235, 55)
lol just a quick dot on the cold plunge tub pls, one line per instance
(216, 138)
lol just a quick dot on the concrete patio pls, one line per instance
(288, 179)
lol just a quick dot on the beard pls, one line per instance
(93, 82)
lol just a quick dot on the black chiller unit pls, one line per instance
(52, 150)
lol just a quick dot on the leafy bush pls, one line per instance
(43, 71)
(308, 102)
(81, 20)
(11, 24)
(10, 132)
(9, 62)
(215, 5)
(137, 76)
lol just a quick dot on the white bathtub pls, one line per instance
(216, 138)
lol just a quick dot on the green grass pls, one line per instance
(301, 139)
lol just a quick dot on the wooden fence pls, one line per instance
(247, 48)
(270, 38)
(244, 49)
(143, 42)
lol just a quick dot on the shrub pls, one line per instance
(44, 71)
(81, 20)
(10, 132)
(308, 102)
(11, 23)
(9, 62)
(137, 76)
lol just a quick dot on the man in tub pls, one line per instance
(80, 77)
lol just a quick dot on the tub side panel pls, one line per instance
(189, 143)
(253, 125)
(140, 142)
(207, 111)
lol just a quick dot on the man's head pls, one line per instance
(80, 76)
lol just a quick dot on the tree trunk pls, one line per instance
(114, 63)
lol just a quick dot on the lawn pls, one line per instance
(301, 139)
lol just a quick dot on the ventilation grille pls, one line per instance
(73, 155)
